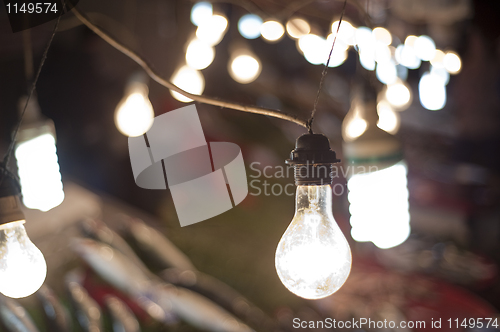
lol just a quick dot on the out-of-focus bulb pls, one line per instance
(249, 26)
(379, 206)
(201, 12)
(190, 80)
(313, 258)
(452, 62)
(398, 95)
(199, 55)
(134, 114)
(22, 265)
(212, 30)
(244, 68)
(272, 31)
(297, 27)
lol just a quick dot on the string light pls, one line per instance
(201, 12)
(452, 62)
(249, 26)
(244, 66)
(382, 36)
(398, 95)
(134, 114)
(190, 80)
(212, 30)
(272, 30)
(37, 161)
(297, 27)
(432, 91)
(425, 48)
(199, 55)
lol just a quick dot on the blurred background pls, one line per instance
(434, 66)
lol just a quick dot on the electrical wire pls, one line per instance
(323, 74)
(141, 61)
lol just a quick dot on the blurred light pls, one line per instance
(297, 27)
(272, 30)
(425, 48)
(201, 12)
(339, 54)
(386, 72)
(379, 206)
(452, 62)
(212, 30)
(405, 55)
(355, 127)
(438, 59)
(388, 119)
(249, 26)
(339, 44)
(432, 92)
(347, 33)
(367, 59)
(398, 94)
(190, 80)
(314, 48)
(199, 55)
(382, 53)
(134, 114)
(382, 36)
(38, 170)
(442, 73)
(244, 68)
(410, 40)
(402, 72)
(364, 36)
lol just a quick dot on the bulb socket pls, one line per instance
(313, 160)
(10, 204)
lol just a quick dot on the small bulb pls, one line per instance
(313, 258)
(22, 265)
(134, 114)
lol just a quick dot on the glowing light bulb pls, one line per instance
(432, 91)
(22, 265)
(388, 119)
(382, 36)
(212, 30)
(313, 258)
(379, 206)
(190, 80)
(244, 68)
(452, 62)
(272, 31)
(134, 114)
(297, 27)
(425, 48)
(249, 26)
(201, 12)
(398, 95)
(199, 55)
(346, 32)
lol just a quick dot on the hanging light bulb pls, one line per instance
(37, 161)
(134, 114)
(313, 258)
(378, 193)
(22, 265)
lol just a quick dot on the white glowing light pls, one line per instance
(452, 62)
(367, 59)
(386, 72)
(134, 114)
(442, 73)
(438, 59)
(379, 206)
(201, 12)
(382, 53)
(398, 94)
(432, 92)
(382, 36)
(38, 171)
(190, 80)
(388, 119)
(347, 33)
(272, 31)
(355, 128)
(244, 68)
(212, 30)
(199, 55)
(425, 48)
(406, 56)
(313, 258)
(297, 27)
(22, 265)
(249, 26)
(314, 48)
(364, 36)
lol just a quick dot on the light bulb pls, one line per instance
(134, 114)
(22, 265)
(313, 259)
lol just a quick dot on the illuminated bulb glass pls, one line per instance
(244, 68)
(364, 37)
(201, 12)
(388, 119)
(386, 72)
(405, 55)
(313, 258)
(425, 48)
(432, 91)
(379, 206)
(272, 30)
(190, 80)
(249, 26)
(437, 61)
(398, 94)
(382, 36)
(134, 114)
(297, 27)
(452, 62)
(346, 32)
(199, 55)
(212, 30)
(367, 59)
(38, 170)
(22, 266)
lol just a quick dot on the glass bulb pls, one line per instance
(22, 265)
(134, 114)
(313, 259)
